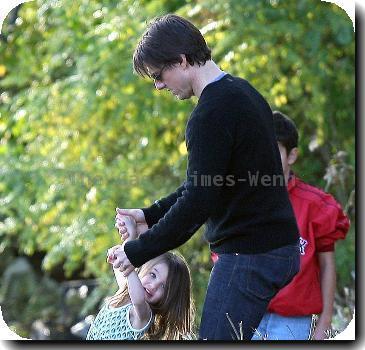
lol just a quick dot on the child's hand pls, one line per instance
(136, 214)
(321, 332)
(130, 225)
(110, 254)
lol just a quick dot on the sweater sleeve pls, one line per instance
(159, 208)
(209, 147)
(330, 224)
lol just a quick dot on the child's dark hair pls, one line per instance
(286, 131)
(174, 314)
(165, 39)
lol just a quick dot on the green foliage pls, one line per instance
(27, 297)
(80, 134)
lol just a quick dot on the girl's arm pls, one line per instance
(136, 292)
(141, 310)
(119, 278)
(131, 227)
(328, 286)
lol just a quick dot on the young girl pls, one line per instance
(154, 304)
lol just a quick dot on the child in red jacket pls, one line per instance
(321, 222)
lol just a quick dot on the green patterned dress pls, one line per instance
(114, 324)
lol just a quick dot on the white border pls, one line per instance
(7, 5)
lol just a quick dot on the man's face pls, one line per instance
(175, 79)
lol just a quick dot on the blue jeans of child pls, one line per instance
(276, 327)
(240, 288)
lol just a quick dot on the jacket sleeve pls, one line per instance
(329, 225)
(209, 147)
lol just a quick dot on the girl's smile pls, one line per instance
(154, 283)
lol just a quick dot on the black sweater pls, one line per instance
(231, 142)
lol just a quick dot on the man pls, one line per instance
(231, 142)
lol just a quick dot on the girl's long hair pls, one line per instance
(174, 314)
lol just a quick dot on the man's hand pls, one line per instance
(137, 215)
(119, 260)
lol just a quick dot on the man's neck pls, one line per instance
(204, 75)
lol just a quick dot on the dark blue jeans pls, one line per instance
(240, 288)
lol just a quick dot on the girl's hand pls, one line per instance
(125, 227)
(110, 257)
(131, 226)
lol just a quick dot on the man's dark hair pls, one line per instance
(286, 131)
(165, 39)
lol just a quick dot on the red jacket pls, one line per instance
(321, 222)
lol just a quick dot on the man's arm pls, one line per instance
(160, 207)
(209, 148)
(328, 287)
(147, 217)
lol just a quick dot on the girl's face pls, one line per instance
(154, 283)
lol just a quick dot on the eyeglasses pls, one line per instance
(158, 76)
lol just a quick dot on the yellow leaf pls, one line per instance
(168, 137)
(136, 192)
(111, 103)
(128, 89)
(147, 202)
(2, 70)
(219, 36)
(174, 157)
(49, 217)
(182, 149)
(283, 100)
(263, 60)
(225, 65)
